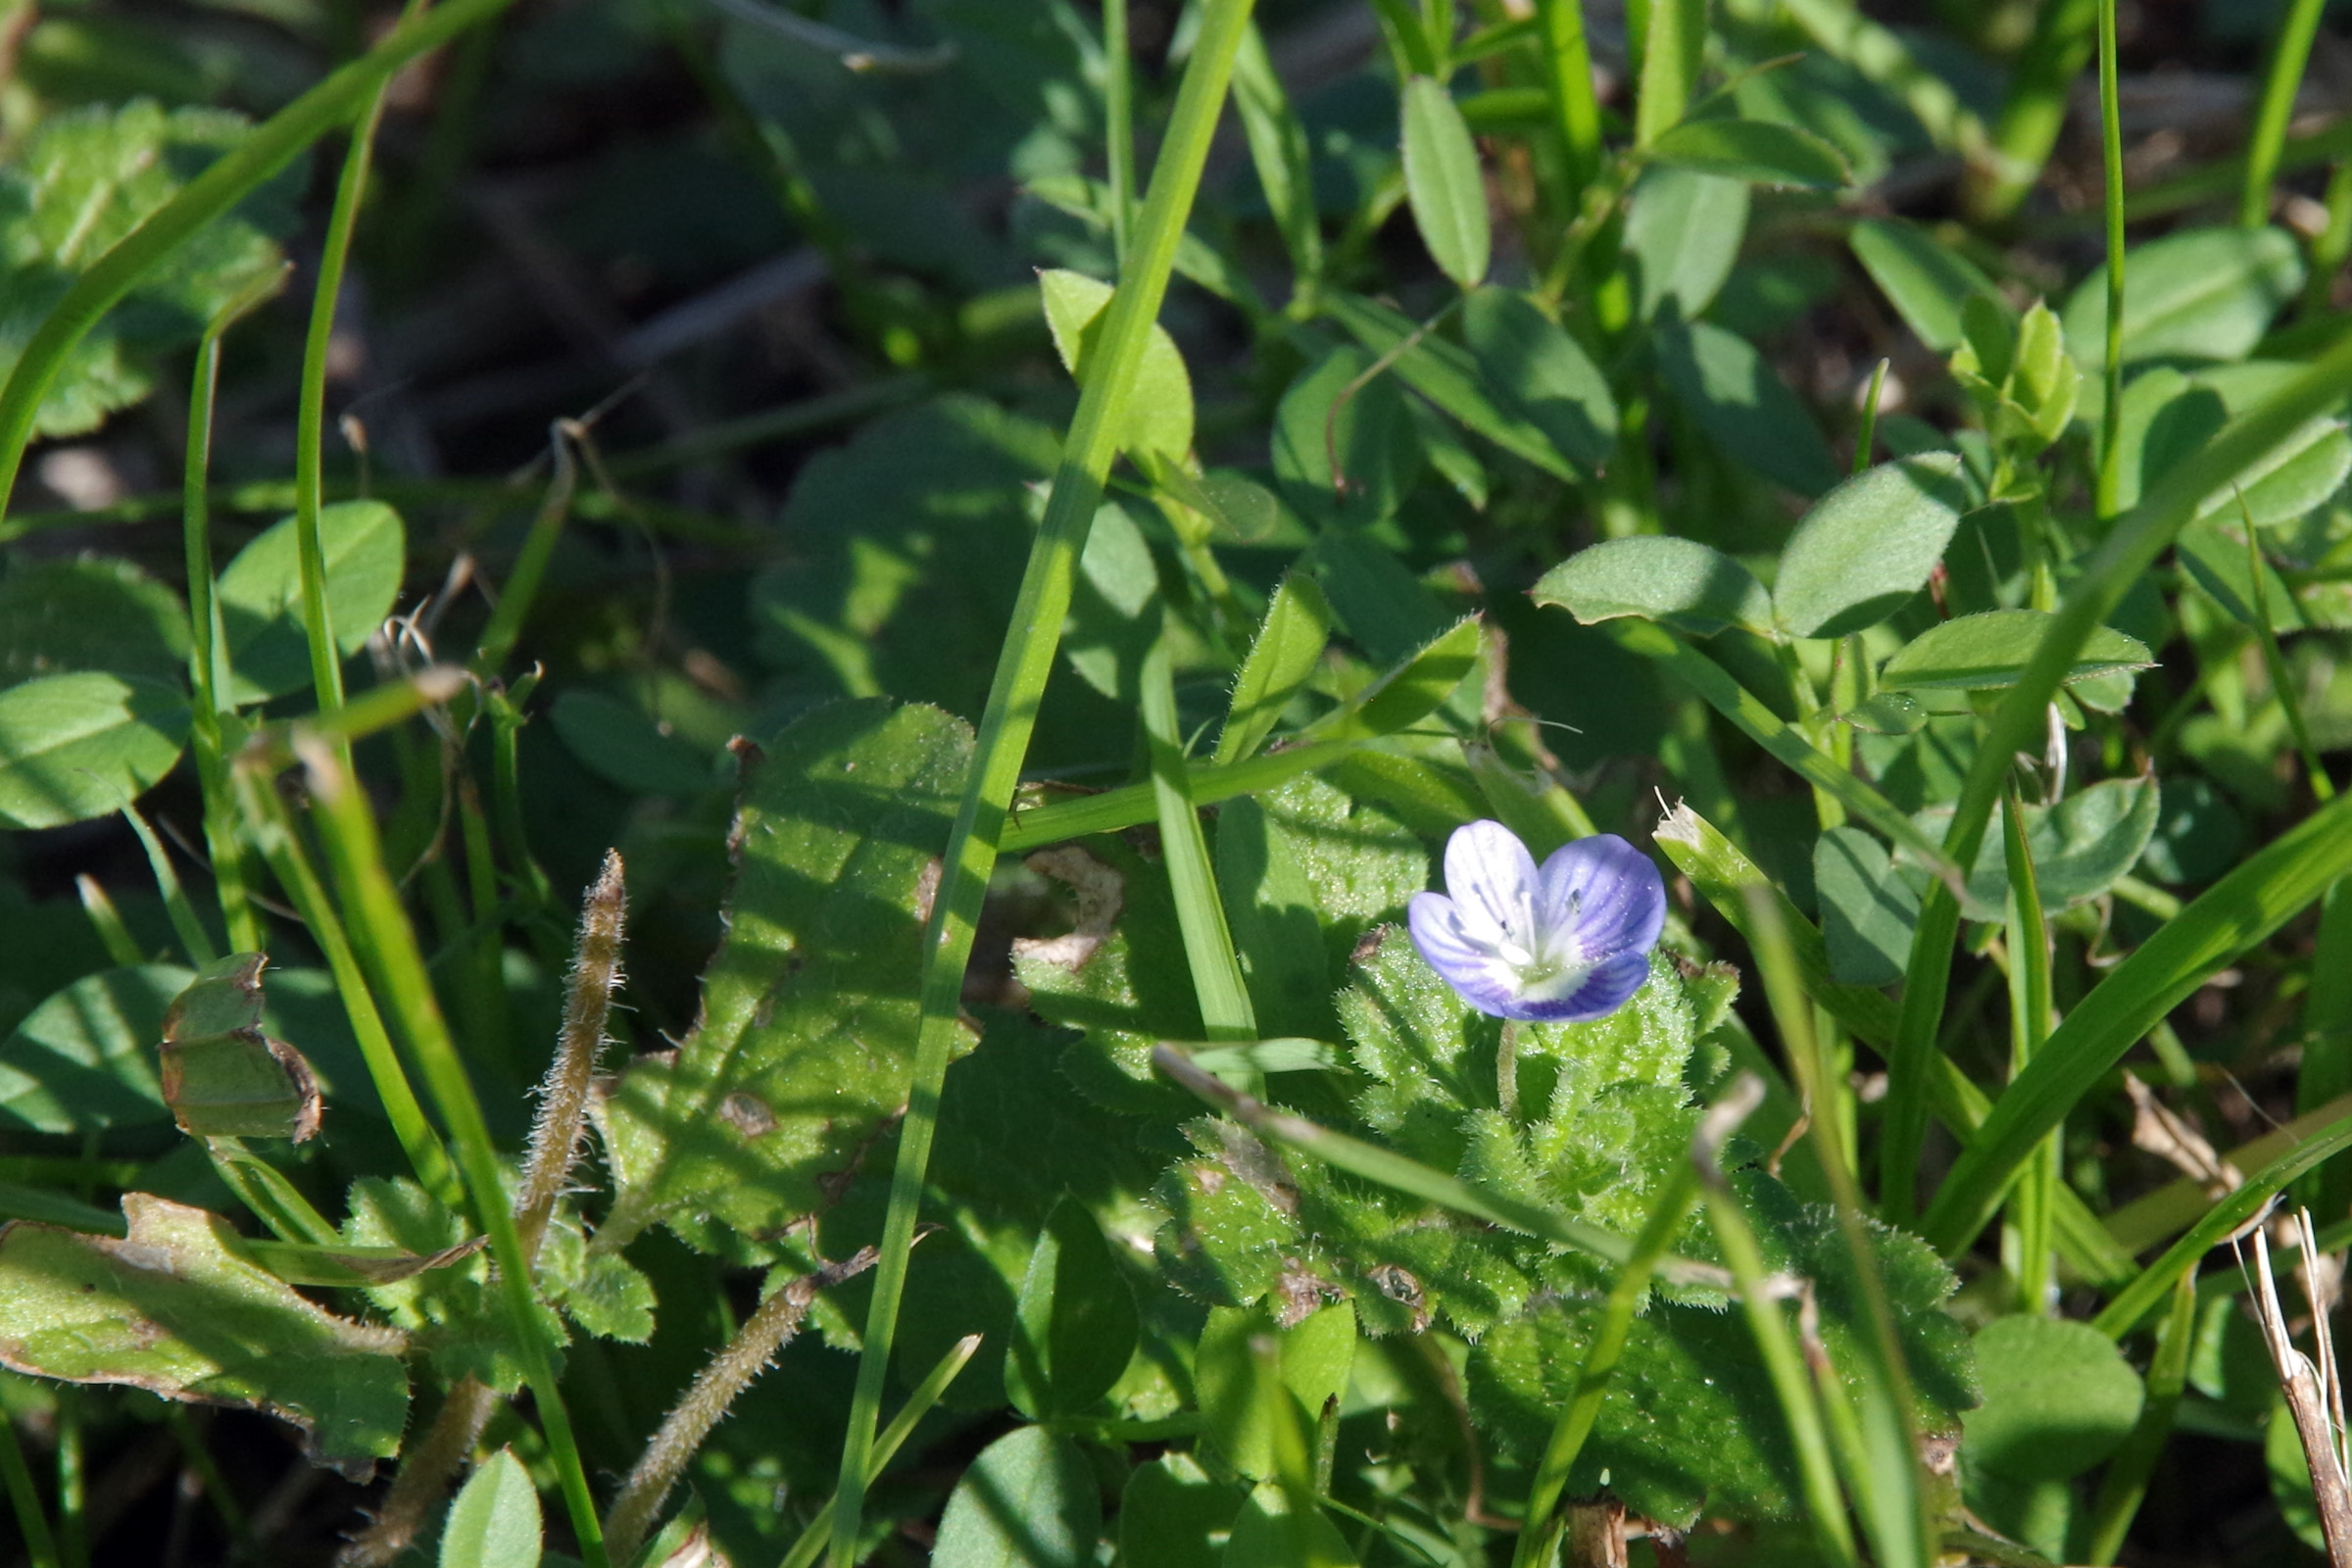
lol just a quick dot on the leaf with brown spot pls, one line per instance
(180, 1307)
(222, 1076)
(806, 1039)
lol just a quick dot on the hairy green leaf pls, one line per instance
(808, 1011)
(177, 1309)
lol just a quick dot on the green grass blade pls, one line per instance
(309, 409)
(1627, 1291)
(1568, 76)
(2284, 75)
(813, 1540)
(2111, 153)
(2328, 1035)
(2124, 1481)
(1023, 666)
(1733, 701)
(1217, 983)
(208, 660)
(1783, 1365)
(2135, 1302)
(2034, 110)
(2032, 1202)
(388, 940)
(1911, 1056)
(2233, 914)
(271, 145)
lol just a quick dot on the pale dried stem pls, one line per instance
(563, 1096)
(754, 1345)
(2309, 1398)
(423, 1476)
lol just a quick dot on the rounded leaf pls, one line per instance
(1868, 546)
(85, 1058)
(2204, 294)
(2059, 1397)
(1028, 1501)
(365, 549)
(1657, 577)
(90, 614)
(75, 747)
(1159, 400)
(1174, 1515)
(1074, 1327)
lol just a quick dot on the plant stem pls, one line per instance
(271, 828)
(886, 1447)
(2125, 1482)
(32, 1521)
(1224, 995)
(769, 1328)
(1022, 669)
(268, 148)
(2111, 145)
(563, 1096)
(310, 410)
(1800, 1404)
(2035, 110)
(1118, 115)
(389, 943)
(2296, 30)
(2033, 1202)
(208, 657)
(1568, 62)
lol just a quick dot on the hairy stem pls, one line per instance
(754, 1345)
(563, 1095)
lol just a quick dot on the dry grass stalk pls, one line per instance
(2314, 1391)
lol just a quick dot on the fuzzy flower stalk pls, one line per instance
(1562, 943)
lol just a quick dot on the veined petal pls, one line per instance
(1601, 898)
(1494, 882)
(1464, 962)
(1610, 985)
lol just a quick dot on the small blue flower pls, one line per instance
(1562, 945)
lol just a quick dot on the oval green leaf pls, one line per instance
(1159, 402)
(2080, 846)
(619, 745)
(1725, 385)
(1443, 183)
(1542, 373)
(2059, 1398)
(366, 550)
(1682, 236)
(1074, 1325)
(1658, 577)
(1759, 152)
(1987, 652)
(1028, 1501)
(1174, 1514)
(1870, 544)
(495, 1521)
(75, 747)
(90, 614)
(2206, 294)
(1928, 283)
(85, 1060)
